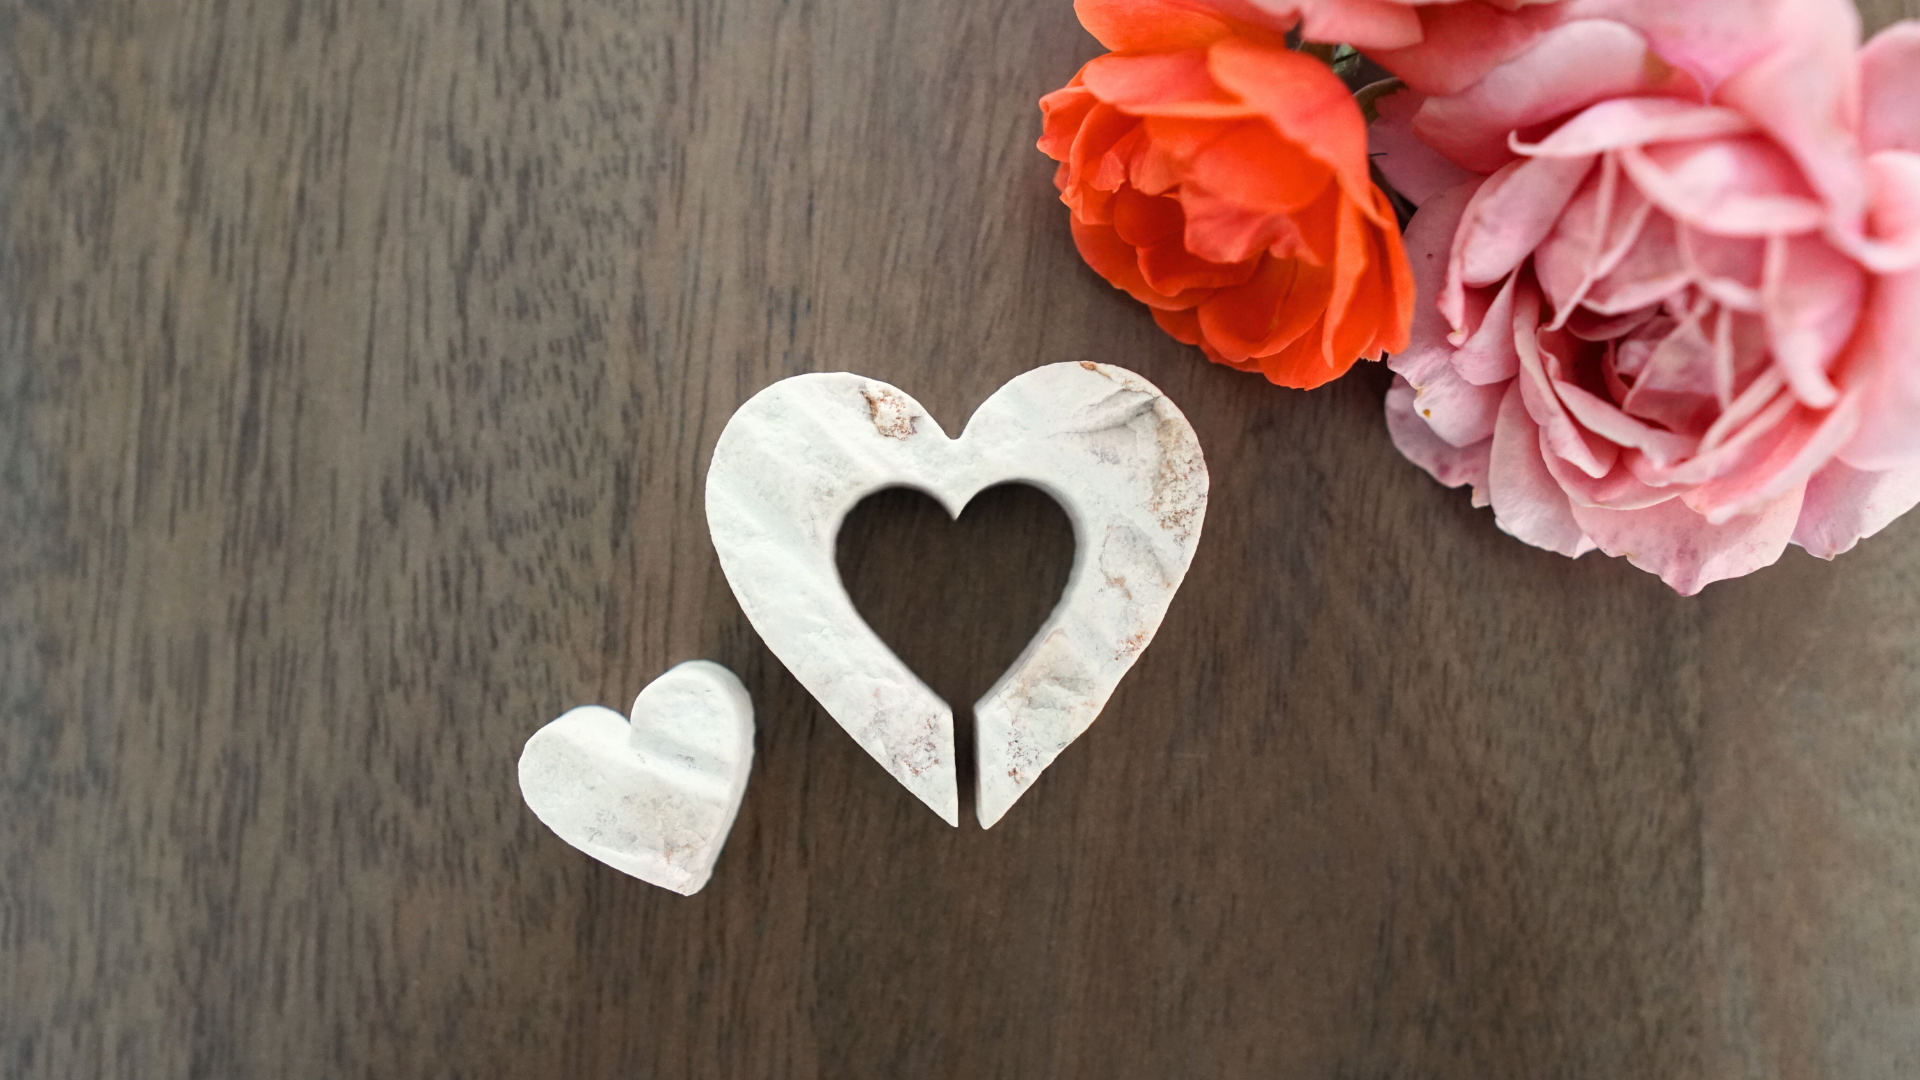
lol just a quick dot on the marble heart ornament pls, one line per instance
(653, 797)
(1102, 441)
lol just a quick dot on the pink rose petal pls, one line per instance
(1488, 355)
(1600, 229)
(1804, 93)
(1415, 170)
(1429, 246)
(1365, 24)
(1674, 376)
(1451, 465)
(1887, 367)
(1766, 392)
(1457, 410)
(1527, 503)
(1620, 489)
(1604, 418)
(1512, 212)
(1429, 241)
(1740, 354)
(1731, 269)
(1561, 435)
(1892, 242)
(1886, 364)
(1736, 187)
(1567, 68)
(1740, 434)
(1796, 450)
(1890, 89)
(1577, 240)
(1715, 40)
(1844, 506)
(1461, 43)
(1452, 300)
(1688, 553)
(1635, 121)
(1650, 270)
(1589, 326)
(1813, 296)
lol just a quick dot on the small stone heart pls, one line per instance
(1106, 444)
(654, 797)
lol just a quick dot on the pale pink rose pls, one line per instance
(1669, 267)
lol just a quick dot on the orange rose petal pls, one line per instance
(1171, 143)
(1063, 112)
(1289, 244)
(1182, 326)
(1117, 261)
(1282, 299)
(1162, 25)
(1380, 315)
(1252, 165)
(1300, 96)
(1369, 311)
(1226, 231)
(1145, 220)
(1251, 363)
(1170, 269)
(1349, 266)
(1373, 203)
(1302, 365)
(1319, 227)
(1104, 126)
(1161, 84)
(1112, 170)
(1394, 333)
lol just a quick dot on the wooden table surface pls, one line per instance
(359, 367)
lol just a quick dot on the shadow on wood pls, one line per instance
(957, 600)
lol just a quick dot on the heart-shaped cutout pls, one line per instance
(956, 599)
(653, 797)
(1106, 444)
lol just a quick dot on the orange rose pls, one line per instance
(1222, 179)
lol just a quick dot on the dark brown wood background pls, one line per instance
(359, 365)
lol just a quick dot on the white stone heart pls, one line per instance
(653, 798)
(1102, 441)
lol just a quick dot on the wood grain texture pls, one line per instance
(359, 365)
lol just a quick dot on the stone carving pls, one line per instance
(654, 797)
(1105, 443)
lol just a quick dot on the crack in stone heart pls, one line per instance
(956, 599)
(1107, 445)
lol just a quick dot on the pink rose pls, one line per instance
(1669, 272)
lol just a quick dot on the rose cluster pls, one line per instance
(1661, 293)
